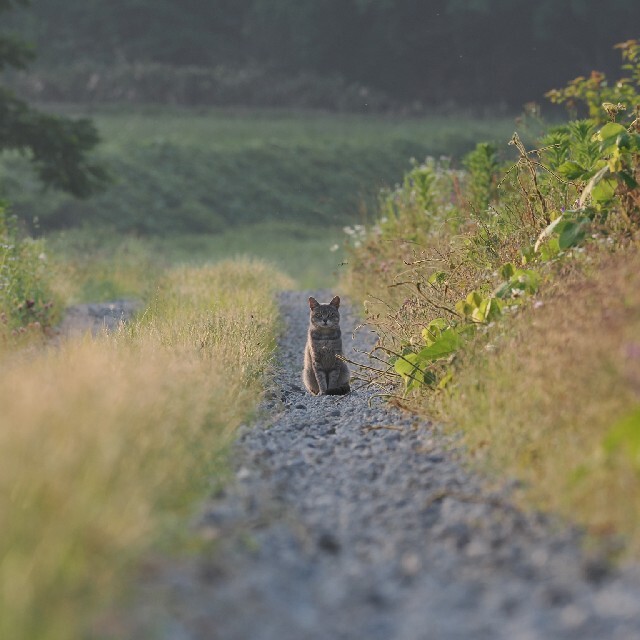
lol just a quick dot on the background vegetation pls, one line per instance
(178, 171)
(487, 52)
(511, 309)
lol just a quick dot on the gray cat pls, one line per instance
(324, 373)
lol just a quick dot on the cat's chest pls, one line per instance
(325, 350)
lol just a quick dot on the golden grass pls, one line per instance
(541, 402)
(104, 440)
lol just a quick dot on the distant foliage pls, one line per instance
(26, 300)
(433, 51)
(59, 148)
(162, 83)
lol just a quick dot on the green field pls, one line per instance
(200, 185)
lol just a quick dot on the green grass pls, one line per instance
(205, 171)
(239, 128)
(93, 267)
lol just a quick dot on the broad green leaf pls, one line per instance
(611, 130)
(592, 184)
(550, 250)
(572, 170)
(628, 179)
(407, 365)
(475, 298)
(433, 330)
(448, 342)
(546, 232)
(429, 378)
(493, 310)
(573, 233)
(507, 270)
(464, 308)
(604, 191)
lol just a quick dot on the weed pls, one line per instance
(27, 302)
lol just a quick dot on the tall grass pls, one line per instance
(103, 441)
(546, 399)
(110, 265)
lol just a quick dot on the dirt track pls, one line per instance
(350, 521)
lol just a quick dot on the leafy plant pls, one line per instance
(482, 176)
(422, 201)
(26, 299)
(596, 92)
(442, 341)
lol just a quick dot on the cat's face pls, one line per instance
(325, 316)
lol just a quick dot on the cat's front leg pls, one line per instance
(321, 377)
(334, 376)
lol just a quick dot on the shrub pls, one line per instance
(26, 299)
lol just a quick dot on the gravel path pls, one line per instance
(346, 521)
(96, 317)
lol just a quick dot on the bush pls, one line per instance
(26, 299)
(155, 83)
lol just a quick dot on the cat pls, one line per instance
(324, 373)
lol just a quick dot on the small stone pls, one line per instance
(328, 542)
(243, 473)
(410, 564)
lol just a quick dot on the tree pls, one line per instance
(58, 147)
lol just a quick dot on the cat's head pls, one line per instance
(325, 316)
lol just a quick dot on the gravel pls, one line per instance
(96, 317)
(347, 519)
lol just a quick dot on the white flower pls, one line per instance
(333, 248)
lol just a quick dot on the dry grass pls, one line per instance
(104, 440)
(540, 401)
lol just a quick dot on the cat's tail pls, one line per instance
(339, 391)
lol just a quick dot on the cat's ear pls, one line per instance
(313, 303)
(335, 302)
